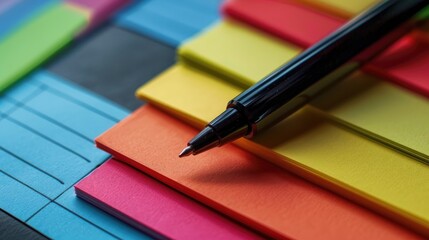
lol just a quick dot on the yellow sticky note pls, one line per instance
(346, 9)
(244, 56)
(237, 52)
(310, 145)
(381, 111)
(177, 77)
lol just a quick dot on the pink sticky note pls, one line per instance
(99, 10)
(153, 207)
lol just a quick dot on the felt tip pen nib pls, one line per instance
(186, 152)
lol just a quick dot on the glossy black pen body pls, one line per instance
(294, 84)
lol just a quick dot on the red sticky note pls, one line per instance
(405, 63)
(240, 184)
(285, 19)
(153, 207)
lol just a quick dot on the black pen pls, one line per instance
(294, 84)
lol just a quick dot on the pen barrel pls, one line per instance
(294, 84)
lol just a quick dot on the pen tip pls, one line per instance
(186, 152)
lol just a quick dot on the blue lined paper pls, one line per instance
(104, 220)
(58, 223)
(47, 127)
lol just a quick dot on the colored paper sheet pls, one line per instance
(7, 4)
(172, 22)
(47, 128)
(19, 199)
(58, 223)
(346, 9)
(240, 184)
(97, 217)
(241, 58)
(18, 13)
(37, 40)
(237, 52)
(142, 201)
(381, 111)
(48, 122)
(99, 11)
(287, 20)
(405, 63)
(110, 54)
(12, 228)
(310, 145)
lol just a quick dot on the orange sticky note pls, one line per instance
(240, 184)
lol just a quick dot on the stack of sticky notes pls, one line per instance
(354, 163)
(32, 31)
(47, 125)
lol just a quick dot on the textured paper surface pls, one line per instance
(239, 184)
(99, 10)
(18, 13)
(47, 127)
(311, 145)
(153, 207)
(7, 4)
(377, 124)
(346, 9)
(405, 63)
(37, 40)
(170, 21)
(287, 20)
(236, 52)
(69, 217)
(381, 111)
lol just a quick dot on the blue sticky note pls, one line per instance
(6, 4)
(57, 222)
(169, 21)
(82, 96)
(43, 158)
(18, 199)
(208, 4)
(98, 217)
(154, 26)
(70, 114)
(21, 92)
(181, 13)
(19, 13)
(48, 128)
(5, 106)
(55, 133)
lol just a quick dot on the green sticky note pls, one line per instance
(36, 41)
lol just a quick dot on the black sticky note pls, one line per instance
(114, 62)
(12, 228)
